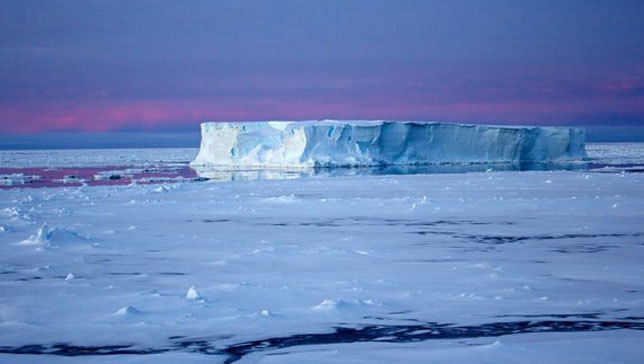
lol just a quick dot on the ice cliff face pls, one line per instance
(374, 143)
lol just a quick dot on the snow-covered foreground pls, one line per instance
(497, 266)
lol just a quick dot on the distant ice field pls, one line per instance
(96, 157)
(486, 266)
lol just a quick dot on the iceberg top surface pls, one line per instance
(283, 124)
(326, 143)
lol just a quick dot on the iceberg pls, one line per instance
(361, 143)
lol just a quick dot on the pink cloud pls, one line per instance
(447, 102)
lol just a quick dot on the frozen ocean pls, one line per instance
(132, 256)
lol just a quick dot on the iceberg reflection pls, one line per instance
(228, 174)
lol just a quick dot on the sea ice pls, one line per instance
(463, 276)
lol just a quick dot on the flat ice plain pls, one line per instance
(487, 266)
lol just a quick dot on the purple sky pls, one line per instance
(167, 65)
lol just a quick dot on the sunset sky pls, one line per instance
(168, 65)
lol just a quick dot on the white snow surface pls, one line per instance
(117, 265)
(373, 143)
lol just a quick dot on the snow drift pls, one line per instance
(332, 143)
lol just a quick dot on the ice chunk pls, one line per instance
(331, 304)
(70, 179)
(266, 313)
(17, 179)
(45, 236)
(40, 237)
(192, 294)
(127, 311)
(375, 143)
(328, 304)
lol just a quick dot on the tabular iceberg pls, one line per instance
(340, 143)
